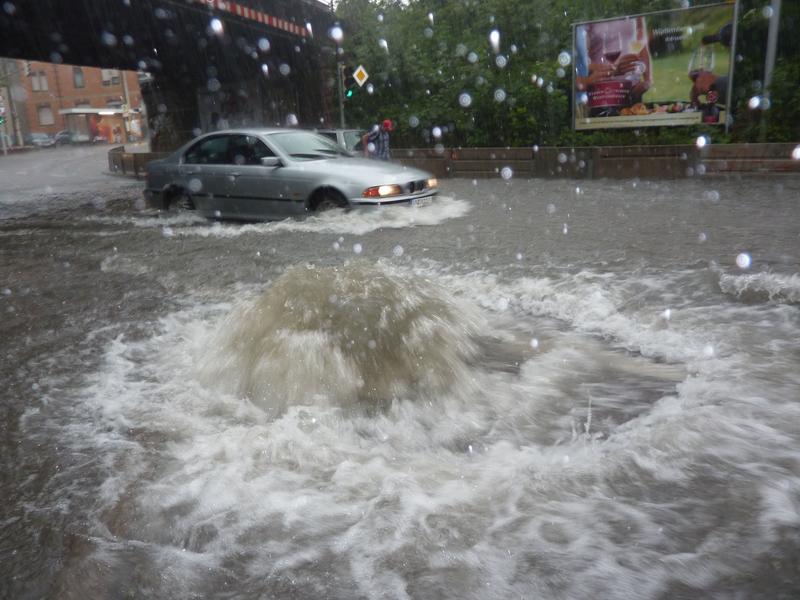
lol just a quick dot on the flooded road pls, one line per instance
(533, 389)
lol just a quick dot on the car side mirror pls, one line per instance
(271, 161)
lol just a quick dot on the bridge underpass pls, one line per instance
(260, 62)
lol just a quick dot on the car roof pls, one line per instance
(262, 130)
(335, 130)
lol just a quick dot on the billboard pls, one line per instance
(658, 69)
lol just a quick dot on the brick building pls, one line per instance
(88, 101)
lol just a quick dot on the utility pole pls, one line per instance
(339, 76)
(126, 106)
(340, 80)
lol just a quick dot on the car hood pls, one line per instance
(368, 171)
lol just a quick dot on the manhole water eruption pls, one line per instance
(341, 336)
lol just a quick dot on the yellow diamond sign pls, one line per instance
(360, 75)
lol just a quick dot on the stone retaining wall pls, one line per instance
(624, 162)
(646, 162)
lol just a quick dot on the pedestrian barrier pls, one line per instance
(130, 163)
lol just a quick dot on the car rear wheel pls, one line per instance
(329, 200)
(181, 200)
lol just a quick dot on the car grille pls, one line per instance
(416, 186)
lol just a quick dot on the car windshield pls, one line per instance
(304, 145)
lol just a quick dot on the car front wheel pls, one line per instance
(329, 201)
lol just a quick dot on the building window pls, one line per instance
(45, 115)
(77, 77)
(110, 76)
(39, 81)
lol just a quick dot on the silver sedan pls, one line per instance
(256, 174)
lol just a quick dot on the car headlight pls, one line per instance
(381, 191)
(432, 182)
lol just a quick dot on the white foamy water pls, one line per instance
(280, 443)
(357, 222)
(762, 286)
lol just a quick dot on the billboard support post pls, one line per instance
(769, 62)
(729, 93)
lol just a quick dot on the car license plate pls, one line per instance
(420, 201)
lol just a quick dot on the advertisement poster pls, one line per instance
(658, 69)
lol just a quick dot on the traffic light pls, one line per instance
(349, 82)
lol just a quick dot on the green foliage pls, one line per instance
(425, 66)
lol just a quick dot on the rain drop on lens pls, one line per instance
(501, 61)
(564, 59)
(436, 132)
(494, 40)
(796, 153)
(506, 173)
(264, 45)
(216, 26)
(499, 95)
(336, 34)
(357, 248)
(464, 99)
(370, 89)
(701, 141)
(743, 260)
(413, 121)
(284, 69)
(398, 251)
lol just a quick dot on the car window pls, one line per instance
(247, 150)
(328, 134)
(303, 145)
(210, 151)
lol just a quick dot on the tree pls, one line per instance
(434, 70)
